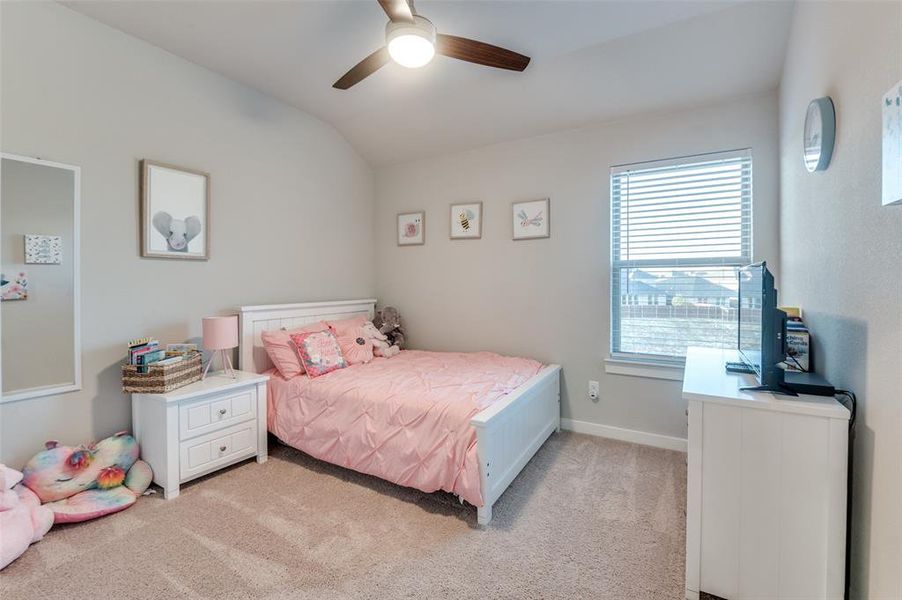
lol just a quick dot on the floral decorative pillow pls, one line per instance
(282, 351)
(319, 352)
(356, 346)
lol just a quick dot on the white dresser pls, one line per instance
(766, 491)
(201, 427)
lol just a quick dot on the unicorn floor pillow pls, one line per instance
(86, 482)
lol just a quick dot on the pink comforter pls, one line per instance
(405, 419)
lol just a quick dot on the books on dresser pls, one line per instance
(144, 351)
(147, 351)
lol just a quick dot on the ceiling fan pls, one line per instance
(411, 41)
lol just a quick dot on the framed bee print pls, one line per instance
(466, 221)
(532, 219)
(412, 228)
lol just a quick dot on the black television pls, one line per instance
(762, 329)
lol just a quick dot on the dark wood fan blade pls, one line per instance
(479, 53)
(363, 69)
(397, 10)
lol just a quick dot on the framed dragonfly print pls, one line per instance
(531, 219)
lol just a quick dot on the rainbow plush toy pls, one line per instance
(89, 481)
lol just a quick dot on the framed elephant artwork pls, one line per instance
(175, 212)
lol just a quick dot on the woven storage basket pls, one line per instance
(159, 380)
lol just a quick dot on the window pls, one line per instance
(679, 230)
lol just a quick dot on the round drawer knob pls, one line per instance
(222, 448)
(222, 411)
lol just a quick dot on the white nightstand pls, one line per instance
(202, 427)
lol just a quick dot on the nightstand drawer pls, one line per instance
(211, 451)
(215, 413)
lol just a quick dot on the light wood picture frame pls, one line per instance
(412, 228)
(465, 220)
(531, 219)
(175, 212)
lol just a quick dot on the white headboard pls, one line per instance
(253, 320)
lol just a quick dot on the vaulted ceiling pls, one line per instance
(591, 61)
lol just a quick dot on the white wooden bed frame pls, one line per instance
(508, 433)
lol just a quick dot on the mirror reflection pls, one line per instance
(39, 287)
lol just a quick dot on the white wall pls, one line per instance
(549, 298)
(842, 255)
(283, 183)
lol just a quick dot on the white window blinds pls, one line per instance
(679, 230)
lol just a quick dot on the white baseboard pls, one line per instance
(627, 435)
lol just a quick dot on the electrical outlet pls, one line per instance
(593, 390)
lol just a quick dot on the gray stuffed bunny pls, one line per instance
(388, 321)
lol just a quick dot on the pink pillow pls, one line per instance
(282, 351)
(320, 352)
(356, 348)
(344, 327)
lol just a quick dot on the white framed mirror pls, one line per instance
(40, 312)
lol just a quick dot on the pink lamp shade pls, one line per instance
(220, 333)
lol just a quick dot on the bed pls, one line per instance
(466, 423)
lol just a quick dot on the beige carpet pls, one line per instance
(587, 518)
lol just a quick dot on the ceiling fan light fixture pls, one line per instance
(411, 41)
(411, 45)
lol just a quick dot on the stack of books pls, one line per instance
(143, 352)
(798, 341)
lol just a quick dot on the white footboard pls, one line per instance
(509, 433)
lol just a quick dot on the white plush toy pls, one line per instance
(177, 232)
(381, 347)
(23, 521)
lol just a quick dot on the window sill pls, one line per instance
(636, 368)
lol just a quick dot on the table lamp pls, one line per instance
(221, 335)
